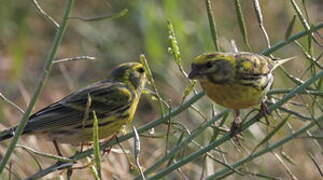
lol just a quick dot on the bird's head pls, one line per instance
(132, 73)
(215, 67)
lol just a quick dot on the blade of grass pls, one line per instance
(288, 158)
(96, 145)
(213, 28)
(74, 59)
(43, 13)
(282, 162)
(283, 43)
(271, 134)
(11, 103)
(261, 21)
(304, 23)
(145, 128)
(224, 171)
(46, 155)
(290, 28)
(317, 165)
(45, 74)
(137, 152)
(241, 22)
(161, 120)
(151, 79)
(228, 136)
(105, 17)
(183, 143)
(93, 169)
(174, 48)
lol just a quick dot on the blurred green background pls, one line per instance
(26, 38)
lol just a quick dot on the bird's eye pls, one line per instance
(141, 70)
(209, 64)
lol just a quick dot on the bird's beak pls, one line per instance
(194, 74)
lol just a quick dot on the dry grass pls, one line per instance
(25, 42)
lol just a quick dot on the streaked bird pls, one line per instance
(70, 120)
(235, 80)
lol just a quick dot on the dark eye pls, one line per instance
(141, 70)
(209, 64)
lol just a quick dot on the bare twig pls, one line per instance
(74, 59)
(261, 21)
(43, 13)
(105, 17)
(11, 103)
(137, 152)
(47, 68)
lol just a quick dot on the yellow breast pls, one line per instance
(233, 96)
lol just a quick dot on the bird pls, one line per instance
(114, 101)
(235, 80)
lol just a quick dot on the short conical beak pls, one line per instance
(193, 74)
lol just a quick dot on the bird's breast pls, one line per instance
(233, 96)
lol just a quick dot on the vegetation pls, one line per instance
(48, 51)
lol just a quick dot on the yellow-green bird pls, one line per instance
(235, 80)
(114, 101)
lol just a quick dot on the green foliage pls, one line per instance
(117, 31)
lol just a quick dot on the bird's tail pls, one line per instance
(279, 62)
(6, 134)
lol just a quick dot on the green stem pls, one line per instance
(81, 155)
(228, 136)
(225, 171)
(161, 120)
(214, 31)
(242, 23)
(183, 143)
(47, 68)
(290, 40)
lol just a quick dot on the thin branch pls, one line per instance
(242, 23)
(46, 155)
(261, 21)
(225, 171)
(74, 59)
(11, 103)
(105, 17)
(282, 162)
(43, 13)
(228, 136)
(183, 143)
(291, 39)
(317, 165)
(161, 120)
(145, 128)
(214, 31)
(137, 152)
(41, 84)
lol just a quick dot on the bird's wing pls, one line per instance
(253, 70)
(106, 98)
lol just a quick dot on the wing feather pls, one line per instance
(106, 98)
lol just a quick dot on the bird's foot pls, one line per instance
(58, 151)
(235, 127)
(264, 109)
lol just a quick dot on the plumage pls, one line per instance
(114, 101)
(235, 80)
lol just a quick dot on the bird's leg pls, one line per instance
(264, 108)
(108, 149)
(236, 123)
(58, 151)
(81, 148)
